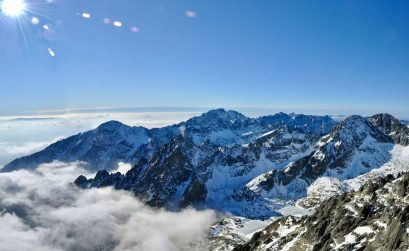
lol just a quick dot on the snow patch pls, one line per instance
(363, 230)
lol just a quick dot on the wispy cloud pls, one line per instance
(123, 167)
(11, 150)
(41, 210)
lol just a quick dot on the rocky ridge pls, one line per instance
(375, 217)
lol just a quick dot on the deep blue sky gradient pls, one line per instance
(340, 55)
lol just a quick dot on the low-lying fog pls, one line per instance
(42, 210)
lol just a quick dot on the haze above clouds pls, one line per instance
(42, 210)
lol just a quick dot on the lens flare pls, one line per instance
(51, 51)
(86, 15)
(106, 21)
(118, 24)
(191, 13)
(13, 8)
(35, 20)
(134, 29)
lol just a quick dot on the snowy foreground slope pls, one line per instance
(375, 217)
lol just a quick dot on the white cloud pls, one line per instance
(41, 210)
(10, 150)
(123, 167)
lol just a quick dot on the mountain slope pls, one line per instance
(376, 217)
(182, 173)
(101, 148)
(354, 147)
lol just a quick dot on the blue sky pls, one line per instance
(341, 56)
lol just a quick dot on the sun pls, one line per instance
(13, 8)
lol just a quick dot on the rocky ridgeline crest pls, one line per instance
(375, 217)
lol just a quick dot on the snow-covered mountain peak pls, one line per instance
(353, 122)
(111, 125)
(224, 114)
(354, 129)
(384, 117)
(389, 125)
(306, 123)
(278, 117)
(218, 117)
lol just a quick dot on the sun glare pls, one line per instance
(13, 8)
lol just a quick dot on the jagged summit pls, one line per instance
(223, 114)
(353, 120)
(217, 117)
(353, 123)
(280, 116)
(384, 116)
(392, 127)
(306, 123)
(356, 128)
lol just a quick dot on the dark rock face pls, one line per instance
(395, 129)
(376, 217)
(194, 195)
(81, 181)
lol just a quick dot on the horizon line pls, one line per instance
(260, 110)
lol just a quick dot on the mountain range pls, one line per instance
(251, 167)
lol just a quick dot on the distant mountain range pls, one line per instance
(251, 167)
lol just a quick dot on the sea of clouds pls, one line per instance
(42, 210)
